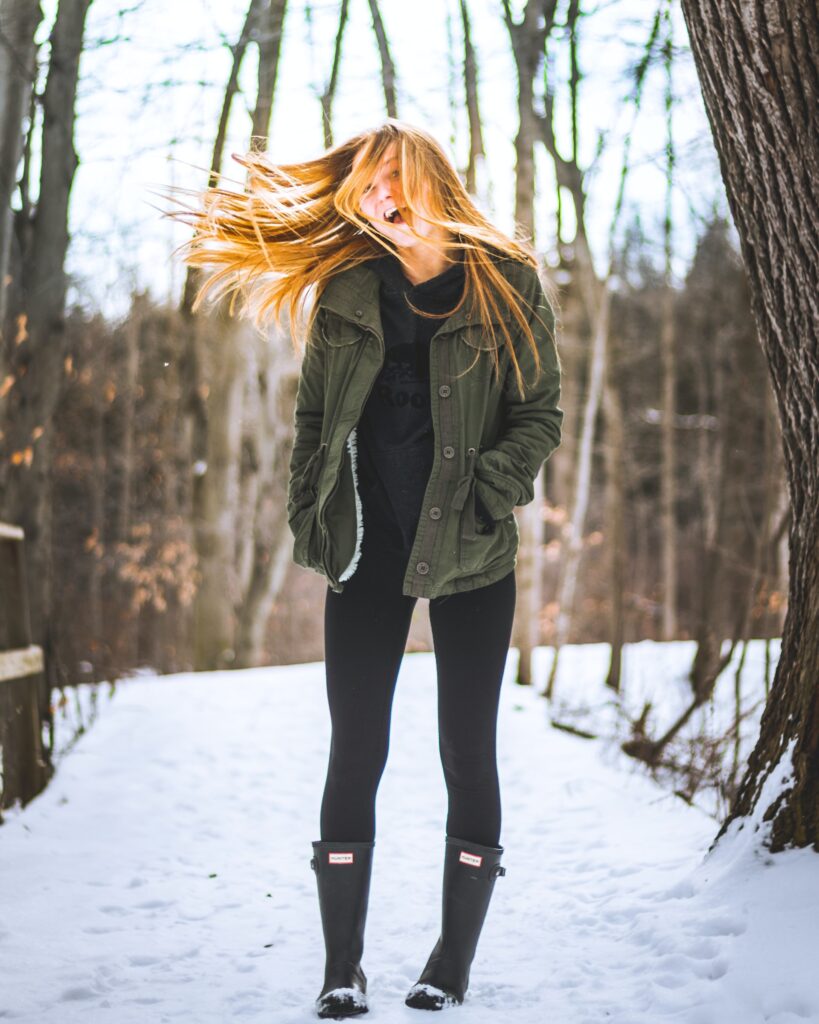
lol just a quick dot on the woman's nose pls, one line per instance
(385, 191)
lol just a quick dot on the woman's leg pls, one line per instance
(365, 634)
(471, 632)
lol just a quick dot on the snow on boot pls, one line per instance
(470, 871)
(343, 875)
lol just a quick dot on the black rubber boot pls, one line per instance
(470, 871)
(343, 873)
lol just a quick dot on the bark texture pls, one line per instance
(758, 65)
(387, 63)
(528, 38)
(18, 23)
(329, 95)
(237, 469)
(38, 358)
(477, 153)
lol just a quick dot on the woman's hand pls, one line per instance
(505, 473)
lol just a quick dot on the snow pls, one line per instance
(164, 875)
(346, 998)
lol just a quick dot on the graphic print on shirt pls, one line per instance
(397, 437)
(404, 379)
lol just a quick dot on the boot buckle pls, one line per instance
(497, 871)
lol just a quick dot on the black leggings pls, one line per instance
(365, 634)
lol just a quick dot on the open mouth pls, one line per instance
(393, 215)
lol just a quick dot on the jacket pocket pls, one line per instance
(475, 531)
(303, 485)
(338, 332)
(500, 494)
(306, 540)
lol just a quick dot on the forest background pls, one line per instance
(158, 440)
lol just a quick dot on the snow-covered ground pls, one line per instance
(164, 874)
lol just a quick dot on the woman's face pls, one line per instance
(383, 206)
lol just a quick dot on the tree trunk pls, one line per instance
(387, 65)
(582, 496)
(18, 23)
(216, 359)
(476, 184)
(528, 39)
(260, 526)
(38, 367)
(222, 352)
(272, 376)
(759, 70)
(714, 486)
(596, 296)
(615, 517)
(329, 95)
(193, 276)
(96, 573)
(268, 33)
(668, 475)
(130, 380)
(669, 364)
(529, 579)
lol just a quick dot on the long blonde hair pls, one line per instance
(278, 243)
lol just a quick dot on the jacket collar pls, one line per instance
(353, 294)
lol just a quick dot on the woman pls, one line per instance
(426, 405)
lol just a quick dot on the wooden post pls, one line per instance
(25, 770)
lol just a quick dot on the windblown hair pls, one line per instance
(277, 244)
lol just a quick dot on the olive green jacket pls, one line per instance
(488, 441)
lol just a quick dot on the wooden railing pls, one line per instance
(25, 769)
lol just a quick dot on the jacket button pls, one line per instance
(434, 512)
(422, 568)
(445, 391)
(359, 312)
(449, 452)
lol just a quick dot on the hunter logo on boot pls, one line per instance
(472, 859)
(340, 858)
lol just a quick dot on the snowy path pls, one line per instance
(164, 875)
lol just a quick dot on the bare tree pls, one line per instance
(329, 95)
(263, 539)
(597, 297)
(387, 65)
(668, 475)
(238, 51)
(18, 23)
(614, 448)
(209, 370)
(477, 154)
(236, 459)
(528, 39)
(758, 67)
(38, 358)
(129, 393)
(268, 37)
(200, 408)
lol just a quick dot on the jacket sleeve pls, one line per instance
(505, 473)
(305, 458)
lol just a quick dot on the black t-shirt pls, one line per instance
(395, 434)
